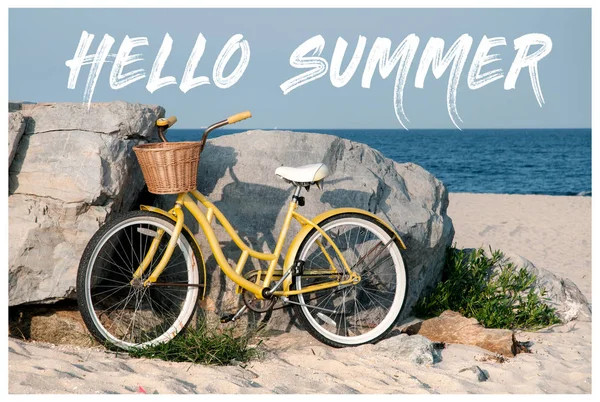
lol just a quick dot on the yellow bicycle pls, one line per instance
(142, 273)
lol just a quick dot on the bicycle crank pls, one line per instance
(254, 304)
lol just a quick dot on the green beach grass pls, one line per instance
(504, 297)
(203, 345)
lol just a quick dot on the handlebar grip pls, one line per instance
(172, 120)
(239, 117)
(162, 122)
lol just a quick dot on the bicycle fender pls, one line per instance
(171, 217)
(295, 244)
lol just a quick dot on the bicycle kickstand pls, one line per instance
(233, 317)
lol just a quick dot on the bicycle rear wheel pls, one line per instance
(128, 315)
(352, 314)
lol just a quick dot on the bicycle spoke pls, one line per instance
(114, 291)
(124, 251)
(125, 302)
(111, 261)
(124, 311)
(362, 311)
(131, 247)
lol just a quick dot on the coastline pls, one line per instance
(553, 232)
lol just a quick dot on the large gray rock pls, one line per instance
(16, 128)
(560, 293)
(73, 167)
(237, 173)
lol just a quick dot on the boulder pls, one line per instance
(72, 169)
(16, 128)
(452, 327)
(237, 173)
(559, 293)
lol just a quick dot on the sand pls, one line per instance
(552, 232)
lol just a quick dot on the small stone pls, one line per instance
(482, 375)
(497, 358)
(416, 349)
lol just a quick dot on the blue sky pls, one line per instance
(42, 40)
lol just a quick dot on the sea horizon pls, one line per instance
(383, 129)
(537, 161)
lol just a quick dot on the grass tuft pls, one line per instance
(202, 346)
(498, 298)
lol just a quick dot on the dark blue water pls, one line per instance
(509, 161)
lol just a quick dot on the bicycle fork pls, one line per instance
(137, 275)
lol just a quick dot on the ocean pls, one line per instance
(506, 161)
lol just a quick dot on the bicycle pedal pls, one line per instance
(227, 318)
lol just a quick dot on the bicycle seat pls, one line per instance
(307, 174)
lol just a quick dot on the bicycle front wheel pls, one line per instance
(352, 314)
(123, 313)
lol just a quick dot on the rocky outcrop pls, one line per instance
(16, 128)
(72, 168)
(237, 173)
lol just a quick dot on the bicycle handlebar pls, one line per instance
(164, 124)
(171, 120)
(239, 117)
(230, 120)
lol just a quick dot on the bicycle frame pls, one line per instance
(235, 274)
(122, 309)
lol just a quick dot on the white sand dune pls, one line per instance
(552, 232)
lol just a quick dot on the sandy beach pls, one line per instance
(552, 232)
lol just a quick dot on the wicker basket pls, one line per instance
(169, 167)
